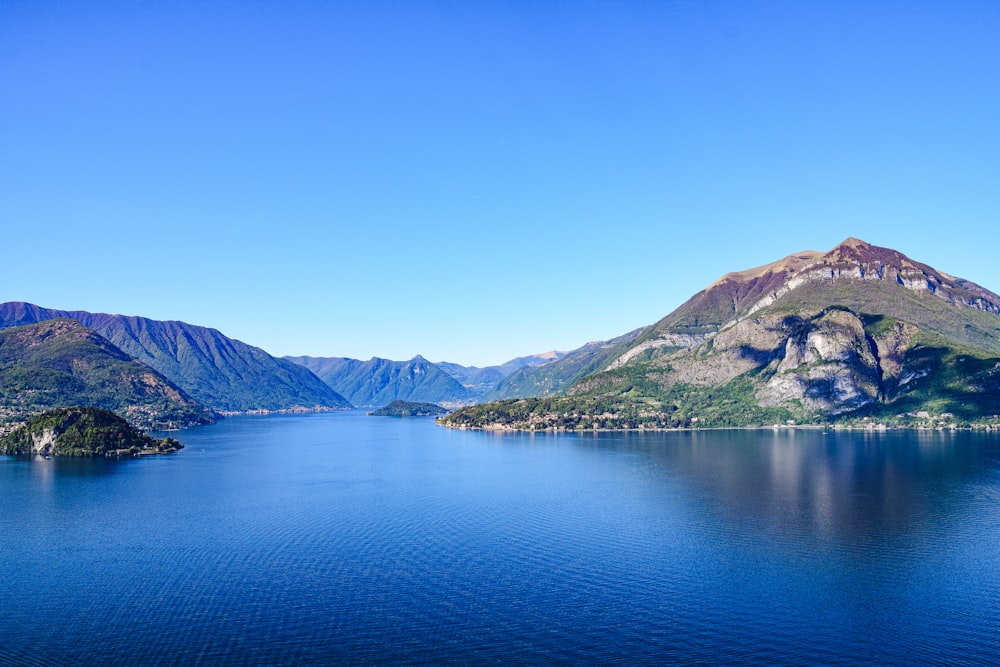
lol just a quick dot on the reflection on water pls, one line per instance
(825, 485)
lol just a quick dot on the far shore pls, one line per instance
(296, 409)
(499, 428)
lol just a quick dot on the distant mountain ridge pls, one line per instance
(225, 374)
(482, 382)
(377, 382)
(859, 331)
(559, 374)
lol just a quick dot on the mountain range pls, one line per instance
(96, 359)
(377, 382)
(859, 332)
(225, 374)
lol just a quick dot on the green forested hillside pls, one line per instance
(223, 373)
(60, 362)
(79, 431)
(408, 409)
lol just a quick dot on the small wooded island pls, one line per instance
(81, 431)
(408, 409)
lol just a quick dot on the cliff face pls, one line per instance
(829, 364)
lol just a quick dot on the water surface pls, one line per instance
(341, 538)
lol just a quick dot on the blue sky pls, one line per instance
(474, 181)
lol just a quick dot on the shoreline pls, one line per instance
(499, 428)
(297, 409)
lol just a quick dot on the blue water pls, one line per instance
(346, 539)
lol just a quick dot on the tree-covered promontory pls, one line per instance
(82, 431)
(408, 409)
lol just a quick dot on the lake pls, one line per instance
(344, 539)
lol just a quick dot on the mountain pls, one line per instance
(225, 374)
(478, 381)
(562, 372)
(483, 382)
(377, 382)
(857, 332)
(854, 275)
(82, 432)
(60, 362)
(471, 376)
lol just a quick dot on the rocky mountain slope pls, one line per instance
(60, 362)
(860, 331)
(223, 373)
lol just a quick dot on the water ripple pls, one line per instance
(337, 539)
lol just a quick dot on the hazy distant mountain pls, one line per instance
(60, 362)
(377, 382)
(478, 381)
(859, 331)
(482, 382)
(223, 373)
(560, 373)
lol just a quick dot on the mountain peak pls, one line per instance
(853, 247)
(869, 261)
(854, 274)
(852, 242)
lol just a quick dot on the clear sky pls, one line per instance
(473, 181)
